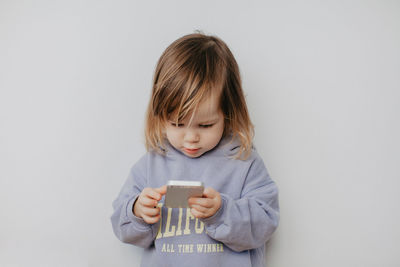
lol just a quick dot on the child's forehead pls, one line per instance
(208, 107)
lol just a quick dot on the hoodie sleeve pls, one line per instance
(127, 227)
(247, 222)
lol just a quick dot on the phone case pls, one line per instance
(178, 193)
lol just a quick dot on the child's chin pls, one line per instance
(195, 155)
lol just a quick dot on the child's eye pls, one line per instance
(206, 125)
(177, 125)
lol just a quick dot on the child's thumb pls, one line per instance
(162, 190)
(209, 192)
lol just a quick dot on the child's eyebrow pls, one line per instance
(208, 121)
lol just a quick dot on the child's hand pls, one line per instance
(206, 206)
(146, 205)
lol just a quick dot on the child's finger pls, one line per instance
(161, 190)
(209, 193)
(205, 202)
(151, 220)
(148, 202)
(151, 193)
(150, 211)
(200, 208)
(196, 213)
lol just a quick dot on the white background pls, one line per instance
(322, 81)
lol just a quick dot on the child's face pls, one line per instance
(198, 134)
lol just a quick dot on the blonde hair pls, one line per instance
(191, 69)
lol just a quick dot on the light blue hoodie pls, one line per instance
(234, 236)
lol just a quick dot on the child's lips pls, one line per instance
(191, 150)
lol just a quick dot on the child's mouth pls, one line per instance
(191, 150)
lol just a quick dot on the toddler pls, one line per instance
(198, 128)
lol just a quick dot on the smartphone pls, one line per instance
(178, 193)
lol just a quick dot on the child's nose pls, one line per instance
(192, 136)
